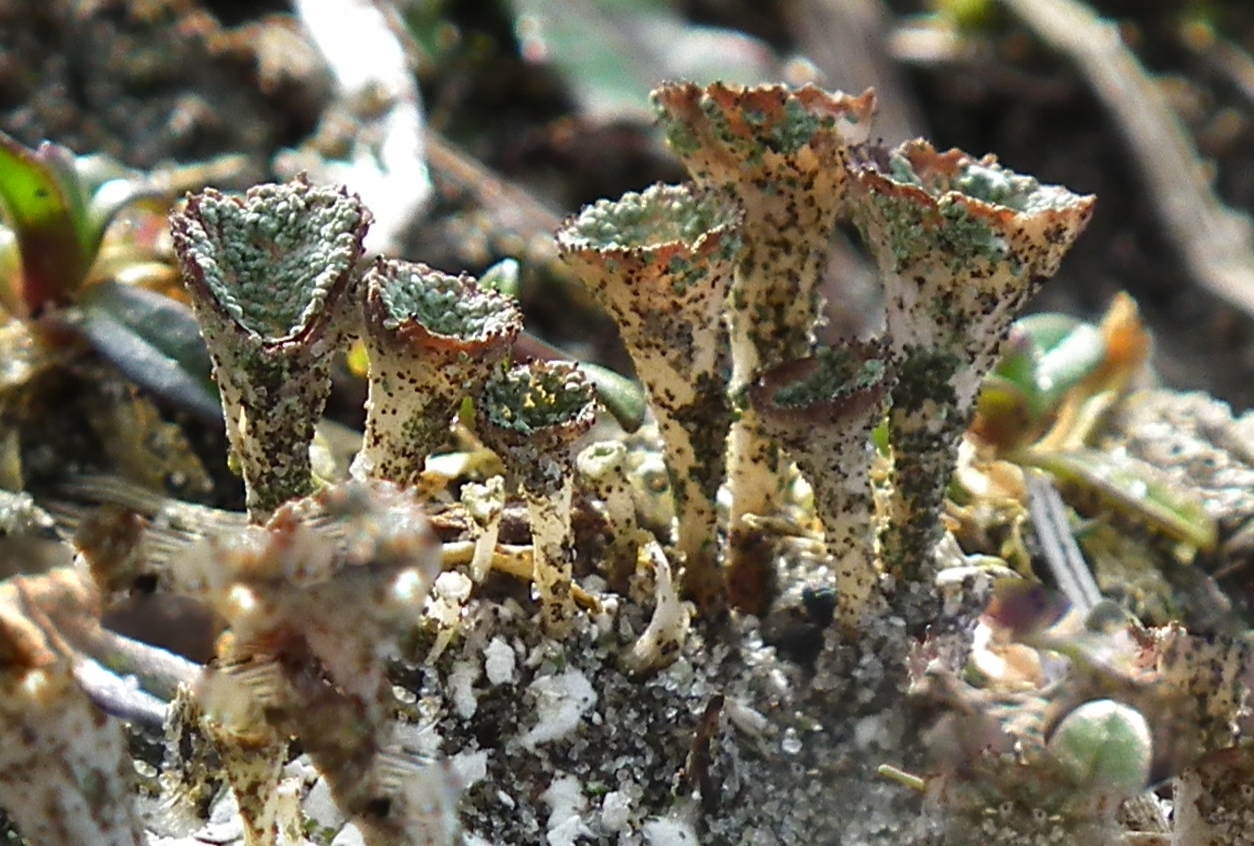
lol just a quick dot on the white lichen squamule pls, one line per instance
(532, 415)
(661, 263)
(272, 278)
(823, 409)
(962, 244)
(65, 770)
(433, 339)
(781, 153)
(315, 601)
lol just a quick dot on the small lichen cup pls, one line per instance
(781, 153)
(661, 263)
(532, 415)
(433, 340)
(272, 278)
(962, 244)
(823, 409)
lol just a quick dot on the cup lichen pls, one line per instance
(781, 153)
(962, 244)
(273, 279)
(433, 339)
(661, 263)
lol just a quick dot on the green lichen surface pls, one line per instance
(271, 259)
(989, 183)
(531, 398)
(913, 234)
(837, 373)
(446, 305)
(662, 214)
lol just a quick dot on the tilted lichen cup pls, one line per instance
(433, 340)
(272, 278)
(533, 415)
(962, 244)
(823, 410)
(781, 153)
(661, 263)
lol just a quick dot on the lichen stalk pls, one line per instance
(315, 601)
(272, 279)
(780, 152)
(661, 262)
(603, 473)
(962, 244)
(433, 340)
(65, 769)
(823, 409)
(1213, 800)
(532, 415)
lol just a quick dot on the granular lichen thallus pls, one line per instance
(661, 262)
(433, 339)
(961, 244)
(781, 153)
(272, 278)
(823, 409)
(315, 601)
(533, 415)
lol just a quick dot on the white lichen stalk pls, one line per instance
(661, 263)
(533, 415)
(272, 278)
(65, 769)
(823, 410)
(781, 153)
(433, 340)
(314, 601)
(962, 244)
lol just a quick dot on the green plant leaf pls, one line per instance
(45, 208)
(154, 341)
(1131, 485)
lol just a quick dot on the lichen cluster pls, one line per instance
(494, 588)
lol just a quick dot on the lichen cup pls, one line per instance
(433, 340)
(962, 244)
(823, 409)
(661, 262)
(272, 278)
(533, 415)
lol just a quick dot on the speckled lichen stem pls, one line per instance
(925, 426)
(823, 409)
(1213, 801)
(780, 152)
(532, 415)
(253, 768)
(603, 473)
(553, 550)
(433, 340)
(661, 262)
